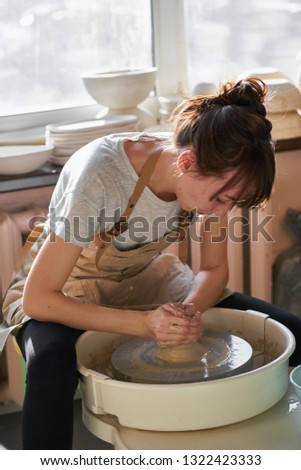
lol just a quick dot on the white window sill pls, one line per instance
(29, 129)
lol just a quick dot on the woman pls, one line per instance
(98, 265)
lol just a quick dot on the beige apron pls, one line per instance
(142, 277)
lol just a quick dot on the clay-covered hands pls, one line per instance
(174, 324)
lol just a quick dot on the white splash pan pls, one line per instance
(203, 405)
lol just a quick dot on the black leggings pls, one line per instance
(52, 378)
(51, 382)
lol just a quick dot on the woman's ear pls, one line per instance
(186, 160)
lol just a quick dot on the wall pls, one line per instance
(263, 252)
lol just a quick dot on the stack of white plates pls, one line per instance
(67, 137)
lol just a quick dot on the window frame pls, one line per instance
(171, 73)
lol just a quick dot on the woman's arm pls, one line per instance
(44, 301)
(213, 275)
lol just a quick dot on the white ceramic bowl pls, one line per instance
(120, 89)
(204, 89)
(295, 378)
(169, 103)
(20, 159)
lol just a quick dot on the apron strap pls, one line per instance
(121, 226)
(144, 178)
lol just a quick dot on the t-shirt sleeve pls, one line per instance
(79, 196)
(91, 193)
(75, 219)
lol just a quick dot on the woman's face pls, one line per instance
(195, 192)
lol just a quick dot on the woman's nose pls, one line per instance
(221, 210)
(220, 213)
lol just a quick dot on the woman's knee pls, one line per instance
(50, 355)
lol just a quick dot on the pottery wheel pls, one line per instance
(214, 356)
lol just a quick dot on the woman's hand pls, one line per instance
(175, 324)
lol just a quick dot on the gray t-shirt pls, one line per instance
(94, 188)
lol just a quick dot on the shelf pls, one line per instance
(285, 145)
(47, 175)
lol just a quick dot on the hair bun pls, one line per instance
(250, 92)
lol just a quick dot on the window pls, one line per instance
(47, 44)
(227, 37)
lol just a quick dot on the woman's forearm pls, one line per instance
(209, 288)
(60, 308)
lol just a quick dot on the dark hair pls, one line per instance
(230, 131)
